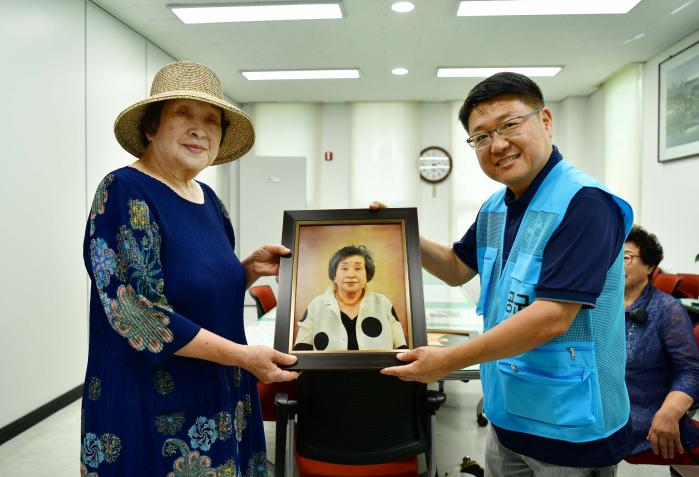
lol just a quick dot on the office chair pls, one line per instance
(264, 298)
(352, 423)
(666, 282)
(688, 287)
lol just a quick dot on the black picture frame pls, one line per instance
(678, 114)
(289, 290)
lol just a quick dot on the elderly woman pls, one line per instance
(662, 367)
(170, 382)
(348, 316)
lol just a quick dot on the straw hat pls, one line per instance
(187, 80)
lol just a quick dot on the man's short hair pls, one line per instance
(649, 247)
(501, 83)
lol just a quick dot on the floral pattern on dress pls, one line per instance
(99, 201)
(170, 424)
(91, 452)
(242, 411)
(163, 382)
(135, 318)
(227, 469)
(224, 211)
(111, 447)
(257, 467)
(224, 425)
(190, 463)
(104, 262)
(237, 376)
(203, 433)
(85, 473)
(139, 261)
(94, 390)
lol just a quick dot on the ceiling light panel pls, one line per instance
(485, 72)
(403, 7)
(257, 12)
(352, 73)
(477, 8)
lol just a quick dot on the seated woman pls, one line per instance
(348, 316)
(662, 363)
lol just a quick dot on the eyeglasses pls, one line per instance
(508, 129)
(628, 258)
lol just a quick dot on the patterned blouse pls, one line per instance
(662, 356)
(161, 268)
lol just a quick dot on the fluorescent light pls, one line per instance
(485, 72)
(478, 8)
(682, 7)
(400, 71)
(257, 12)
(403, 7)
(637, 37)
(301, 74)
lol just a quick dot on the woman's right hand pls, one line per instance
(264, 362)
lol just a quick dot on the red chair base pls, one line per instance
(315, 468)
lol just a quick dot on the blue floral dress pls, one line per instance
(161, 268)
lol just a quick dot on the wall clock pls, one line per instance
(435, 164)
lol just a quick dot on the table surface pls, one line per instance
(690, 303)
(448, 310)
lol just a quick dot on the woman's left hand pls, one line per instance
(664, 433)
(264, 262)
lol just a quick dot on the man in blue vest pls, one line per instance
(548, 251)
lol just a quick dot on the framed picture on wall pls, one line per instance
(678, 108)
(350, 294)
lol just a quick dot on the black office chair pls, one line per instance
(356, 419)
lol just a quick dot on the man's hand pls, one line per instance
(376, 205)
(264, 262)
(427, 365)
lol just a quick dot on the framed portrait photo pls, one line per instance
(350, 294)
(678, 108)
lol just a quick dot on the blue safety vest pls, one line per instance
(571, 388)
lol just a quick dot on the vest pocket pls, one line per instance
(558, 396)
(486, 274)
(525, 276)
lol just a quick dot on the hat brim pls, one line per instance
(237, 141)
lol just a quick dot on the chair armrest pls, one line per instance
(285, 409)
(434, 400)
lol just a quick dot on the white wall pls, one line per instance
(669, 200)
(42, 128)
(75, 68)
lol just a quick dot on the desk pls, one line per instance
(690, 304)
(684, 470)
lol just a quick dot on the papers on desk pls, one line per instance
(452, 320)
(260, 332)
(447, 339)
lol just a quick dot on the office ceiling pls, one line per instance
(375, 39)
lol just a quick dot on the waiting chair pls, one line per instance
(666, 282)
(356, 424)
(264, 299)
(688, 287)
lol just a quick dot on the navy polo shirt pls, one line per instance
(591, 234)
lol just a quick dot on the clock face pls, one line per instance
(435, 164)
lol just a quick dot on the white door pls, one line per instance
(268, 187)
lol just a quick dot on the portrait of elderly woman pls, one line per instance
(170, 385)
(349, 316)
